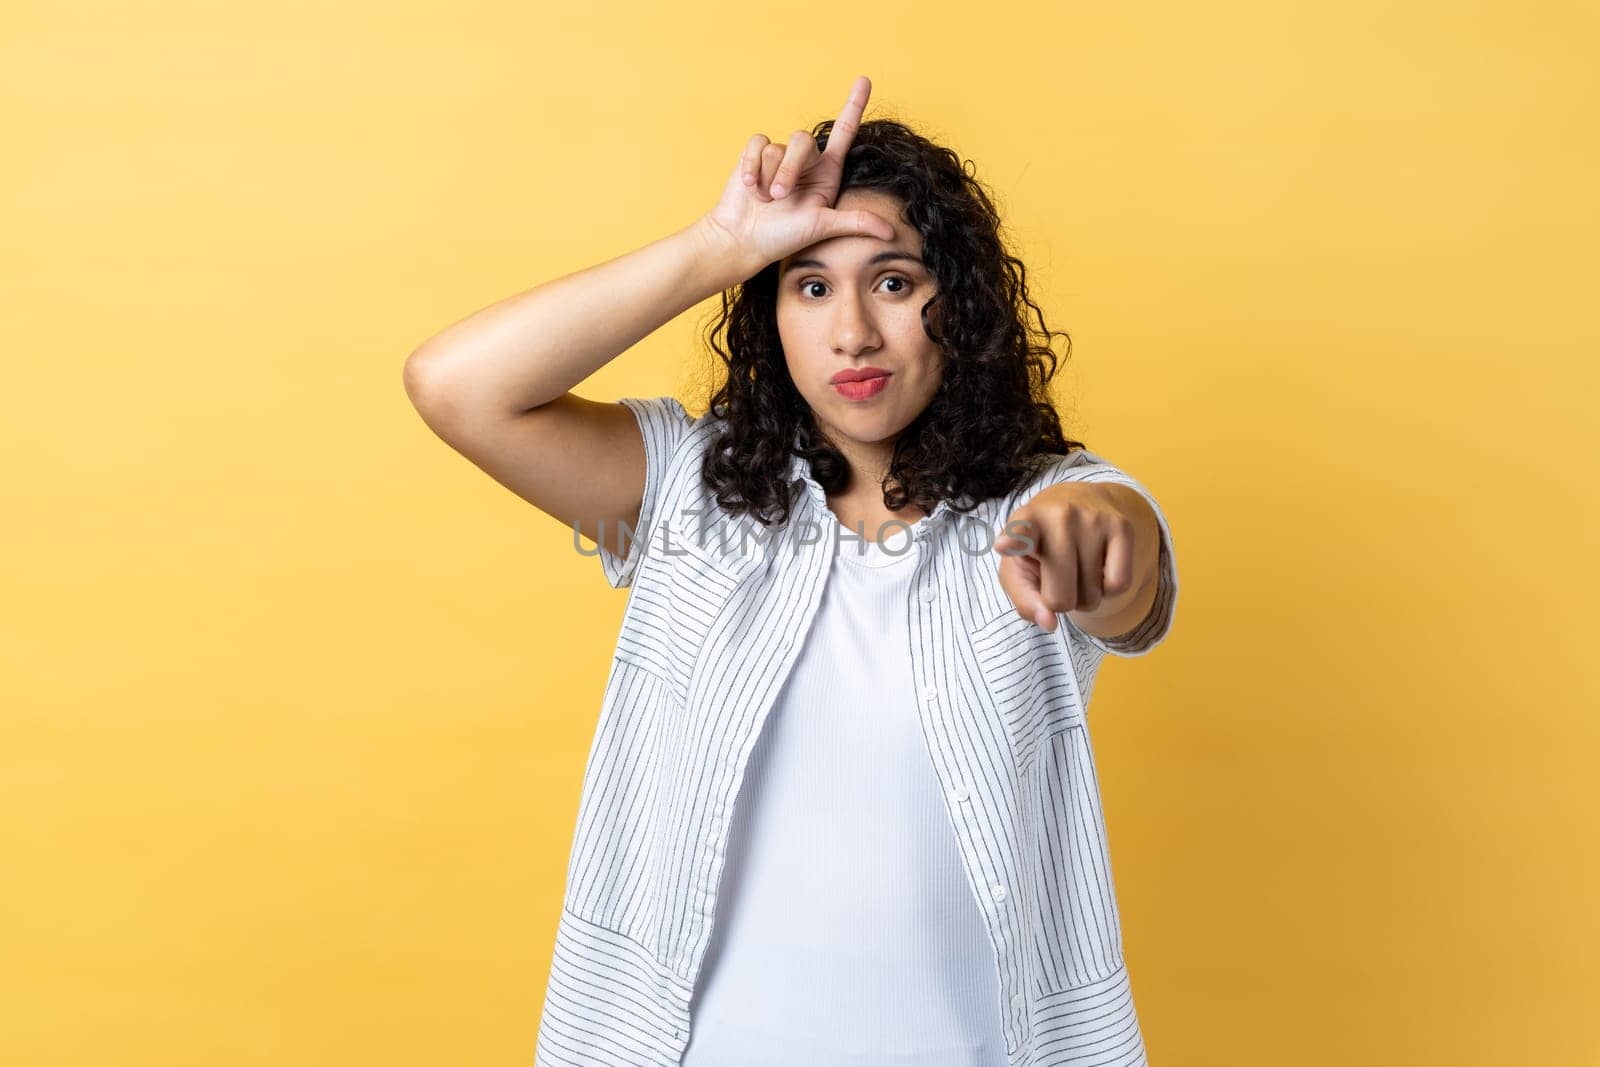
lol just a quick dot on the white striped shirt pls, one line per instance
(712, 629)
(845, 921)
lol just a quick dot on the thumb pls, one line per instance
(856, 222)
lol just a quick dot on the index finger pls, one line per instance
(844, 127)
(1020, 578)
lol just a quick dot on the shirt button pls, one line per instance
(960, 792)
(929, 595)
(998, 892)
(1017, 1000)
(930, 692)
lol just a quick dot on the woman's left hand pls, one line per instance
(1090, 540)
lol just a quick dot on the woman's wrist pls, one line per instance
(723, 262)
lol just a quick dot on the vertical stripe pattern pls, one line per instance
(711, 630)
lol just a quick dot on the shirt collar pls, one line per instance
(800, 471)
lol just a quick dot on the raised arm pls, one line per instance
(496, 386)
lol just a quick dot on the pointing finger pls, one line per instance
(1019, 578)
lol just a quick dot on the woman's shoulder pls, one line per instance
(1042, 470)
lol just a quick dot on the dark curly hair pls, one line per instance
(992, 418)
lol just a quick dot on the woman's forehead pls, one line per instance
(844, 251)
(876, 201)
(868, 257)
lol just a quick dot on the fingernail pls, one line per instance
(777, 190)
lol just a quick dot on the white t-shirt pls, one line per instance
(845, 929)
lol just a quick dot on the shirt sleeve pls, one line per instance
(1085, 466)
(664, 424)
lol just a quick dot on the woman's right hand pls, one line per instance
(780, 198)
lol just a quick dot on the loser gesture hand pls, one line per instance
(779, 198)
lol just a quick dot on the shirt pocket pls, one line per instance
(1075, 924)
(1072, 919)
(682, 589)
(1029, 678)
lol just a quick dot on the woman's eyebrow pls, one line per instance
(881, 257)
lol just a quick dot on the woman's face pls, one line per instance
(853, 304)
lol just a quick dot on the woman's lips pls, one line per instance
(864, 389)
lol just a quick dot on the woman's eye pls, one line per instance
(806, 286)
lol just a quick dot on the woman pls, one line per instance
(879, 539)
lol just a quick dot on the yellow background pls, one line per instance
(296, 702)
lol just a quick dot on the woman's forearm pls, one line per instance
(535, 346)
